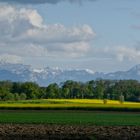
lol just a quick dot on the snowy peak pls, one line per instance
(42, 76)
(137, 67)
(38, 70)
(89, 71)
(45, 76)
(135, 70)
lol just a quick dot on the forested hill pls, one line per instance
(99, 89)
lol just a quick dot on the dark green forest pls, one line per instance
(98, 89)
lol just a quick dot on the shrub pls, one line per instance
(17, 97)
(121, 99)
(105, 101)
(23, 96)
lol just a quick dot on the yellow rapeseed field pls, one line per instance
(69, 103)
(90, 101)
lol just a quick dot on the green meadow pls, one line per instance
(70, 117)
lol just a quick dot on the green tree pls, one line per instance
(23, 96)
(99, 89)
(53, 91)
(32, 90)
(16, 96)
(65, 93)
(8, 96)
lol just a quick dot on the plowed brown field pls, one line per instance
(70, 132)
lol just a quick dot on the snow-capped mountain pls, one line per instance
(133, 73)
(45, 76)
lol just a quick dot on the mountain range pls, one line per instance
(45, 76)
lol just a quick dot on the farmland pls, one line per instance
(69, 118)
(66, 124)
(70, 111)
(71, 104)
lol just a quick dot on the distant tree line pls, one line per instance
(98, 89)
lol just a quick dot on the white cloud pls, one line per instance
(128, 53)
(60, 33)
(76, 49)
(119, 53)
(23, 32)
(43, 1)
(8, 58)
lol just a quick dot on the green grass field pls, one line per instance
(70, 117)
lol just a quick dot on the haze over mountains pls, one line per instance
(45, 76)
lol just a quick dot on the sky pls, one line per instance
(101, 35)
